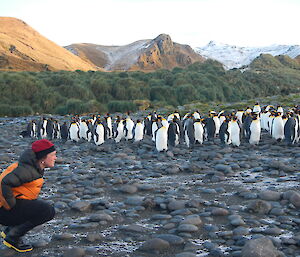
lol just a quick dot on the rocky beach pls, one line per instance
(126, 199)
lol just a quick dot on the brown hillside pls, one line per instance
(145, 55)
(23, 48)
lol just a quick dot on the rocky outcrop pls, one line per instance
(146, 55)
(163, 53)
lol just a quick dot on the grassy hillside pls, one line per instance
(200, 84)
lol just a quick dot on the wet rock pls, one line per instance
(133, 228)
(277, 211)
(99, 217)
(241, 231)
(40, 243)
(236, 221)
(81, 206)
(259, 206)
(269, 195)
(219, 212)
(63, 236)
(295, 199)
(187, 228)
(74, 252)
(93, 237)
(176, 205)
(128, 189)
(161, 217)
(224, 168)
(172, 239)
(134, 200)
(192, 219)
(272, 231)
(185, 254)
(260, 247)
(155, 244)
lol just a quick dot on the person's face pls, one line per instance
(50, 160)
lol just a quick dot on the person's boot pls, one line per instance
(13, 237)
(5, 232)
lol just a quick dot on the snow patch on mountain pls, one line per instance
(236, 56)
(123, 57)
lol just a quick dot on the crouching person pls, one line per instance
(20, 185)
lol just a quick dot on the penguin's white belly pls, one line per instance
(198, 128)
(161, 140)
(120, 134)
(139, 133)
(100, 132)
(235, 134)
(255, 133)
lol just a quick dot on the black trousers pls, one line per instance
(35, 211)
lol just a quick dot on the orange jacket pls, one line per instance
(29, 190)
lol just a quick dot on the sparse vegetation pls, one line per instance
(67, 92)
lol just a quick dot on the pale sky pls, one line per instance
(192, 22)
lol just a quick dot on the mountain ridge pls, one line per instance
(232, 56)
(23, 48)
(147, 54)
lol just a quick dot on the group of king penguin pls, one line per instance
(231, 128)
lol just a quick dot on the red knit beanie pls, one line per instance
(42, 147)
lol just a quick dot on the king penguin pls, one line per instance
(246, 126)
(155, 125)
(99, 133)
(198, 131)
(255, 130)
(173, 133)
(57, 133)
(290, 130)
(128, 128)
(42, 128)
(32, 129)
(118, 129)
(188, 128)
(209, 128)
(147, 125)
(74, 131)
(50, 129)
(239, 114)
(225, 132)
(161, 139)
(235, 131)
(109, 125)
(278, 127)
(257, 108)
(64, 131)
(138, 131)
(83, 129)
(280, 109)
